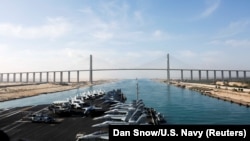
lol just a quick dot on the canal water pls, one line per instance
(179, 106)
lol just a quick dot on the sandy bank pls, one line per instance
(10, 91)
(228, 93)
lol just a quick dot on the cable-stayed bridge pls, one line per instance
(168, 74)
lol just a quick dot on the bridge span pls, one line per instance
(76, 75)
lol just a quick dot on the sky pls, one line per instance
(55, 35)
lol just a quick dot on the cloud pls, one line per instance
(187, 53)
(211, 8)
(115, 9)
(161, 35)
(238, 43)
(86, 10)
(234, 34)
(3, 47)
(53, 28)
(157, 33)
(234, 28)
(232, 43)
(198, 60)
(113, 20)
(210, 57)
(138, 17)
(117, 24)
(97, 27)
(103, 35)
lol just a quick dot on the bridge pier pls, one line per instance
(191, 75)
(199, 75)
(8, 77)
(207, 72)
(61, 76)
(229, 75)
(245, 75)
(20, 77)
(14, 77)
(77, 76)
(237, 75)
(181, 75)
(47, 78)
(222, 75)
(68, 76)
(90, 71)
(1, 77)
(214, 75)
(40, 77)
(34, 77)
(168, 69)
(54, 78)
(27, 77)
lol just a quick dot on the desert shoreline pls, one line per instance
(12, 91)
(234, 94)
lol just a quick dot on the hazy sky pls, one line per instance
(48, 35)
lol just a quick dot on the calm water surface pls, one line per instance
(179, 106)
